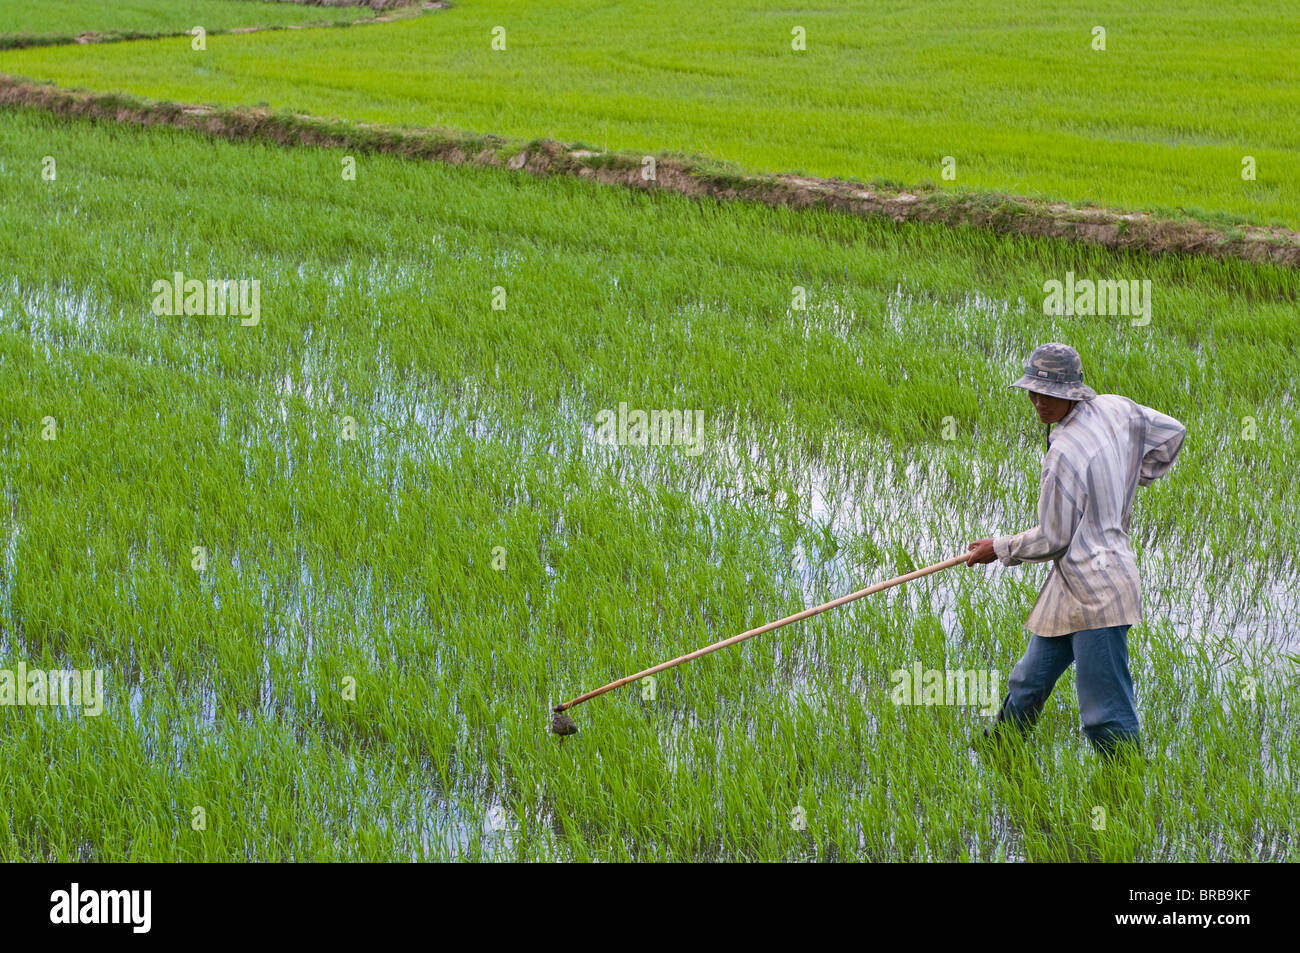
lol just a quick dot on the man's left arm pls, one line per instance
(1164, 440)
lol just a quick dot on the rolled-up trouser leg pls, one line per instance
(1105, 688)
(1033, 678)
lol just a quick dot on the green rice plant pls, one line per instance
(363, 666)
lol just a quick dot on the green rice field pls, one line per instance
(338, 558)
(26, 21)
(1020, 98)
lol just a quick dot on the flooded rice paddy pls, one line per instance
(337, 568)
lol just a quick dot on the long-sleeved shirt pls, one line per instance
(1097, 457)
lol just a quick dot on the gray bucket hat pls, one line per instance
(1055, 370)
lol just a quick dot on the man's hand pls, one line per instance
(981, 551)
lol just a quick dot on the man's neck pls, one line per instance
(1068, 414)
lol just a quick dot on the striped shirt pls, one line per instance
(1097, 457)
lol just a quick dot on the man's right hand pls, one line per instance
(981, 551)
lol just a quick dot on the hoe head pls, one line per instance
(562, 724)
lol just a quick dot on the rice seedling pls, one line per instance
(338, 565)
(980, 98)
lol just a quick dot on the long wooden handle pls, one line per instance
(805, 614)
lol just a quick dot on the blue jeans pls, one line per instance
(1102, 679)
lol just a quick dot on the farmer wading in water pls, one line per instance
(1103, 448)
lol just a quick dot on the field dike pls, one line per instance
(696, 177)
(372, 4)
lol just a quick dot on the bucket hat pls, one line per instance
(1055, 370)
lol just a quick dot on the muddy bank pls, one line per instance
(1003, 214)
(372, 4)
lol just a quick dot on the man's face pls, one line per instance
(1050, 409)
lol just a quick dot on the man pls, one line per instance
(1103, 448)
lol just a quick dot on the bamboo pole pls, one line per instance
(798, 616)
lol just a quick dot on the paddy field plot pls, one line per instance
(1167, 109)
(40, 22)
(337, 563)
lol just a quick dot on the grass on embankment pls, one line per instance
(691, 176)
(373, 558)
(1160, 120)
